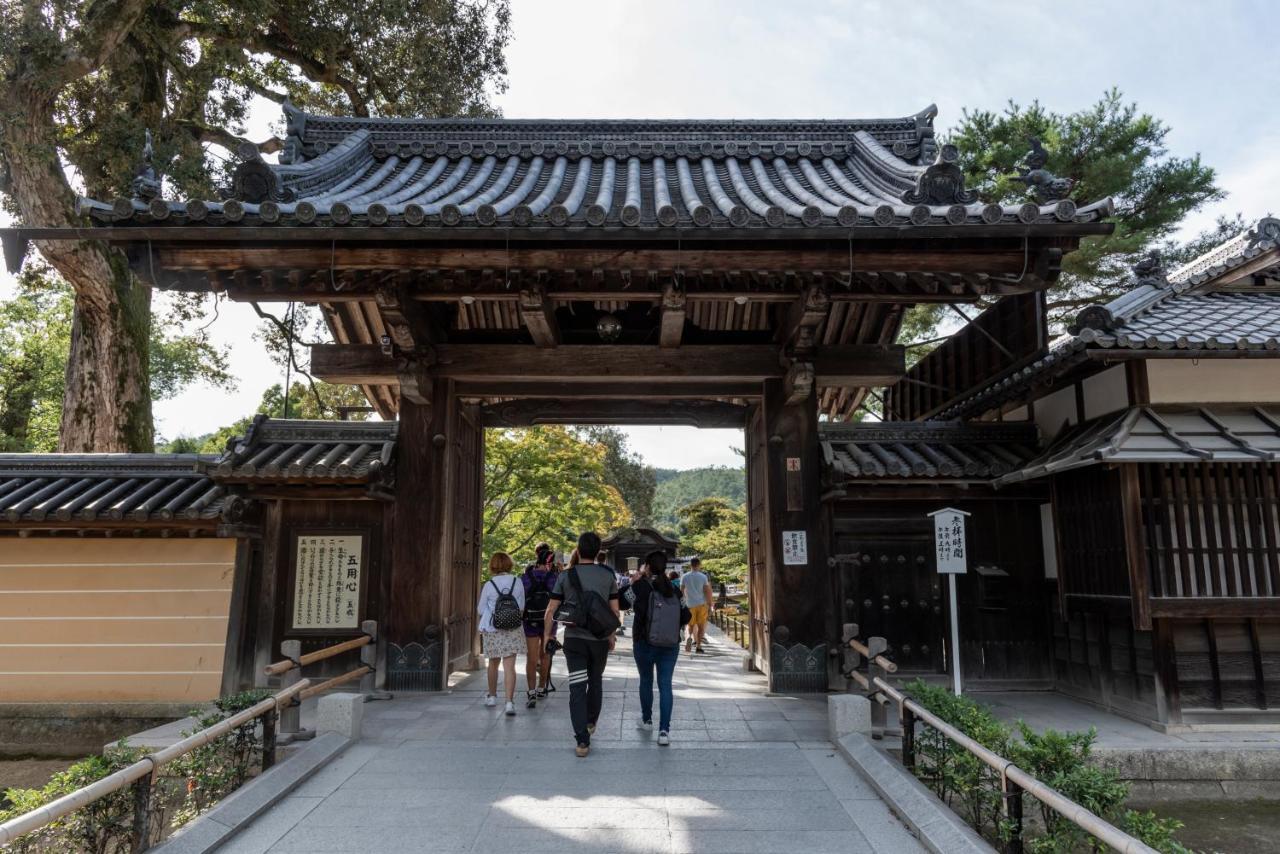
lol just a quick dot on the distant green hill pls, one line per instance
(677, 488)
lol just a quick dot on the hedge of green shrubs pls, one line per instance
(1060, 760)
(182, 790)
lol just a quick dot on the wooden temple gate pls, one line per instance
(485, 272)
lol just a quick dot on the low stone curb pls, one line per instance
(237, 810)
(934, 824)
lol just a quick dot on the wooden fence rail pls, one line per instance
(141, 773)
(733, 626)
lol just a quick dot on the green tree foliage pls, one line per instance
(627, 473)
(678, 488)
(1108, 149)
(35, 332)
(723, 547)
(81, 82)
(546, 483)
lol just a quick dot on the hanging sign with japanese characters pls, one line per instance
(326, 581)
(795, 548)
(949, 541)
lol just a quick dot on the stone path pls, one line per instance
(440, 772)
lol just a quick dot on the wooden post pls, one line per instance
(269, 739)
(369, 656)
(908, 739)
(141, 835)
(291, 718)
(1011, 794)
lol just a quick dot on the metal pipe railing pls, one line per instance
(1087, 821)
(144, 769)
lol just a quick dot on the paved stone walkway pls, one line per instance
(440, 772)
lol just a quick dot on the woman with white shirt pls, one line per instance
(501, 644)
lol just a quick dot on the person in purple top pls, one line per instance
(539, 580)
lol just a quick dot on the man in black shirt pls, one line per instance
(584, 653)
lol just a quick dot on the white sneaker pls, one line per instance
(491, 700)
(511, 708)
(647, 726)
(663, 739)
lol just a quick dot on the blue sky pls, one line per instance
(1209, 70)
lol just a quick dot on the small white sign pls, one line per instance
(795, 548)
(793, 464)
(949, 542)
(326, 586)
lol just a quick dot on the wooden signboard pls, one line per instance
(328, 581)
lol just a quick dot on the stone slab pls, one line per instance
(342, 713)
(932, 822)
(847, 713)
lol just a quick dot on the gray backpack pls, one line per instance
(664, 620)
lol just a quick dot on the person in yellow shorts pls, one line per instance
(699, 600)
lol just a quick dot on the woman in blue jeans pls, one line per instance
(654, 650)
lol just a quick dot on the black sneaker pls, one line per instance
(541, 693)
(532, 701)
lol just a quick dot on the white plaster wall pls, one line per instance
(1105, 392)
(1048, 541)
(1214, 380)
(1019, 414)
(1053, 411)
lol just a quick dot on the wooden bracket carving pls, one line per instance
(416, 382)
(673, 315)
(797, 385)
(539, 316)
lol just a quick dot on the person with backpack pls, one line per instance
(539, 580)
(501, 610)
(585, 599)
(655, 645)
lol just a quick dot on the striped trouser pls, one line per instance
(586, 660)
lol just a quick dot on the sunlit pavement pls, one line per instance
(442, 772)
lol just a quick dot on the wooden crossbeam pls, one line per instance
(705, 365)
(556, 410)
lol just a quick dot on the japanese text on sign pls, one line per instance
(949, 542)
(795, 548)
(326, 587)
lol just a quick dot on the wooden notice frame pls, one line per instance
(345, 626)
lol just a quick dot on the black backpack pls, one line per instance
(536, 599)
(588, 610)
(506, 610)
(664, 620)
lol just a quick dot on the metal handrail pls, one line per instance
(148, 765)
(1087, 821)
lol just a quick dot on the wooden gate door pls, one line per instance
(464, 530)
(758, 537)
(890, 589)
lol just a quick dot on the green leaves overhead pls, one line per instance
(1109, 149)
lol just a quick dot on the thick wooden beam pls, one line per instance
(796, 258)
(695, 413)
(854, 365)
(611, 390)
(538, 314)
(673, 314)
(859, 366)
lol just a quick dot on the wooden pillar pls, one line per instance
(416, 609)
(801, 595)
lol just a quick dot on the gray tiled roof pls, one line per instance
(926, 450)
(1144, 434)
(47, 488)
(276, 449)
(1180, 312)
(730, 174)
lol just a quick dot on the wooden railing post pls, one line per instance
(1011, 794)
(908, 738)
(140, 839)
(369, 656)
(291, 717)
(269, 739)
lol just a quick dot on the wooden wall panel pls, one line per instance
(125, 620)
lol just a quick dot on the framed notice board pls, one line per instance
(328, 580)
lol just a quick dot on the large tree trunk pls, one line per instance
(107, 406)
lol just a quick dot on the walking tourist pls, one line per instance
(655, 644)
(501, 612)
(585, 599)
(624, 598)
(699, 599)
(538, 581)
